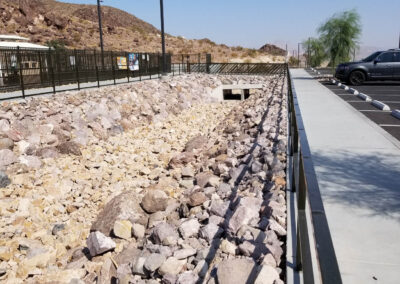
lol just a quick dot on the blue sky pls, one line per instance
(252, 23)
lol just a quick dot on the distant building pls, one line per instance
(14, 41)
(9, 68)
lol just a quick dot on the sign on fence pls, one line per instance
(133, 61)
(72, 60)
(121, 61)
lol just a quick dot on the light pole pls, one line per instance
(101, 32)
(164, 58)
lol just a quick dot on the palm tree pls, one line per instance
(340, 35)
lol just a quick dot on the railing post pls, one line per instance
(303, 257)
(40, 67)
(113, 67)
(97, 69)
(21, 76)
(158, 69)
(77, 69)
(51, 63)
(127, 65)
(140, 66)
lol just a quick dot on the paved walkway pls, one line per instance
(358, 170)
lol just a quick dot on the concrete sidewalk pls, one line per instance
(358, 170)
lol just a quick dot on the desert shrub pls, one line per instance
(76, 37)
(293, 61)
(57, 44)
(252, 53)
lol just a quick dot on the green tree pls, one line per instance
(293, 61)
(314, 51)
(340, 36)
(56, 44)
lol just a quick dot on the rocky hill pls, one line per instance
(273, 49)
(76, 26)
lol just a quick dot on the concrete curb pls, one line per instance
(364, 97)
(346, 88)
(354, 91)
(396, 113)
(380, 105)
(333, 81)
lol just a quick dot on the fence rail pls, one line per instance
(23, 69)
(234, 68)
(304, 182)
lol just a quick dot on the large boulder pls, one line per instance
(69, 147)
(195, 143)
(237, 271)
(165, 234)
(154, 201)
(125, 206)
(6, 143)
(7, 157)
(98, 243)
(247, 212)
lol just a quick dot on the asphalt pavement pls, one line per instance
(385, 92)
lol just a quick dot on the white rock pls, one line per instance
(228, 247)
(22, 146)
(98, 243)
(7, 157)
(189, 228)
(23, 207)
(187, 277)
(122, 229)
(154, 261)
(210, 231)
(30, 161)
(172, 266)
(266, 275)
(184, 253)
(138, 231)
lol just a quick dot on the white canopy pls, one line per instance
(12, 44)
(13, 37)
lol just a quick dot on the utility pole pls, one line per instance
(309, 52)
(298, 54)
(287, 54)
(101, 32)
(164, 58)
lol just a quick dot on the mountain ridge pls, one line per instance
(76, 26)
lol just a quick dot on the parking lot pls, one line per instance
(386, 92)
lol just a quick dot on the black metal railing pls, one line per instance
(304, 182)
(232, 68)
(23, 69)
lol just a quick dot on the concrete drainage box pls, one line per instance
(234, 92)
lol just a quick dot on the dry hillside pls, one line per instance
(76, 26)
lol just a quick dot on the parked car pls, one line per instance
(381, 65)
